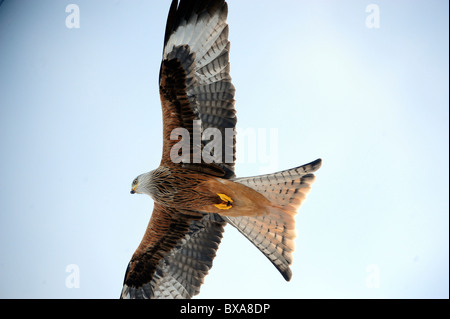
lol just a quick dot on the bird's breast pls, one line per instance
(192, 191)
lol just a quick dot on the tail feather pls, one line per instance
(274, 234)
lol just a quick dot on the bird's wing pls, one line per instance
(197, 95)
(174, 256)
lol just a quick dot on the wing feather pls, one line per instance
(196, 59)
(174, 257)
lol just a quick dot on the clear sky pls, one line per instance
(80, 118)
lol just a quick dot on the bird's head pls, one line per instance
(135, 185)
(141, 184)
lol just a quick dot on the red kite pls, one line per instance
(197, 194)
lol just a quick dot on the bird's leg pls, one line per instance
(227, 202)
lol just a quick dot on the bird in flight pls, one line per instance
(195, 190)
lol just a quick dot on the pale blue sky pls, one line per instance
(80, 118)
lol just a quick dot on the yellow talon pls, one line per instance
(223, 206)
(226, 202)
(225, 198)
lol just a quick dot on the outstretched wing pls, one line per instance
(177, 250)
(197, 95)
(174, 256)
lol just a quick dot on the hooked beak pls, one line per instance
(133, 190)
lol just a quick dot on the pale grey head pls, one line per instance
(153, 183)
(142, 184)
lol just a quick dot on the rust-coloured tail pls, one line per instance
(274, 233)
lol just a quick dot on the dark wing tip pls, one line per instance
(170, 20)
(287, 274)
(317, 164)
(186, 8)
(313, 166)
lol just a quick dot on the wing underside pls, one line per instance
(174, 264)
(195, 84)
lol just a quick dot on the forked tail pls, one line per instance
(274, 233)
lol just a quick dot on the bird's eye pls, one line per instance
(135, 182)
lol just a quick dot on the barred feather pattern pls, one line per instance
(180, 274)
(274, 234)
(200, 42)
